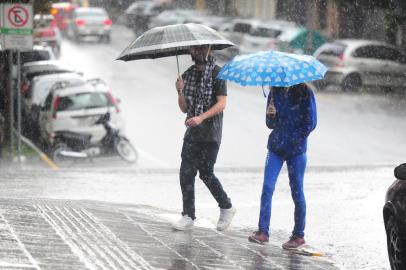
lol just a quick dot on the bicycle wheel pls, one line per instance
(126, 150)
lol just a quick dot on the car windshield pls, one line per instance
(265, 32)
(42, 22)
(332, 49)
(242, 27)
(35, 55)
(83, 101)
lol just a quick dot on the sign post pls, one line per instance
(16, 35)
(1, 28)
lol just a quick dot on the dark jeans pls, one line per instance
(200, 156)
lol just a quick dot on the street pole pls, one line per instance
(11, 105)
(19, 106)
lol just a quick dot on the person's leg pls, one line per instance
(208, 157)
(296, 168)
(187, 175)
(273, 166)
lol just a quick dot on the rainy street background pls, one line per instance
(359, 139)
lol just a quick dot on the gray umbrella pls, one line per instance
(173, 40)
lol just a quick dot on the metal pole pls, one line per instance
(18, 105)
(11, 95)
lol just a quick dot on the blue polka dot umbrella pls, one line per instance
(272, 68)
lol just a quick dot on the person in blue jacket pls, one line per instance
(292, 116)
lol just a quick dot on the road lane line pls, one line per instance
(85, 241)
(127, 254)
(22, 246)
(100, 246)
(69, 237)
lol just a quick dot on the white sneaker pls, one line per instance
(185, 223)
(226, 216)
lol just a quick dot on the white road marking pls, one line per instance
(22, 246)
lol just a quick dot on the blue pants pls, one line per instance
(296, 169)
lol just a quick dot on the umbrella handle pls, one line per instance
(177, 63)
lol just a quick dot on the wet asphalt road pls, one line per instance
(48, 234)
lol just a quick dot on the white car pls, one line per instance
(45, 31)
(39, 89)
(263, 36)
(38, 68)
(355, 63)
(76, 108)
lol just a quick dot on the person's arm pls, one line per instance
(271, 115)
(181, 98)
(217, 108)
(310, 120)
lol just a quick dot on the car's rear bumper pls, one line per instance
(93, 32)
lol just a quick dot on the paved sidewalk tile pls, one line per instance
(51, 234)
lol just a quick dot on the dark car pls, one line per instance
(394, 216)
(139, 14)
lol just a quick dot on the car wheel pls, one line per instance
(396, 245)
(351, 83)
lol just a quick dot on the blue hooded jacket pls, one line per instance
(296, 117)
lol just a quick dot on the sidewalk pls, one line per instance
(56, 234)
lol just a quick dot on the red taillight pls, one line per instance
(55, 107)
(24, 88)
(113, 101)
(108, 22)
(46, 33)
(80, 22)
(341, 60)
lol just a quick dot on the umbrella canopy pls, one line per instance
(173, 40)
(272, 68)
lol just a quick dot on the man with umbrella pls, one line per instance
(203, 98)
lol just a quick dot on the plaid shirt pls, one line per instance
(199, 95)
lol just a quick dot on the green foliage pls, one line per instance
(42, 6)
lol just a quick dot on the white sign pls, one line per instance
(17, 26)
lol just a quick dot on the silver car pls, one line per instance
(263, 36)
(357, 63)
(90, 21)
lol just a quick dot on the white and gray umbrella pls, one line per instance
(173, 40)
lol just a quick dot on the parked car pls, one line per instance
(46, 32)
(38, 68)
(90, 21)
(62, 12)
(356, 63)
(300, 40)
(174, 16)
(214, 22)
(139, 13)
(264, 36)
(76, 107)
(38, 53)
(394, 217)
(235, 31)
(34, 97)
